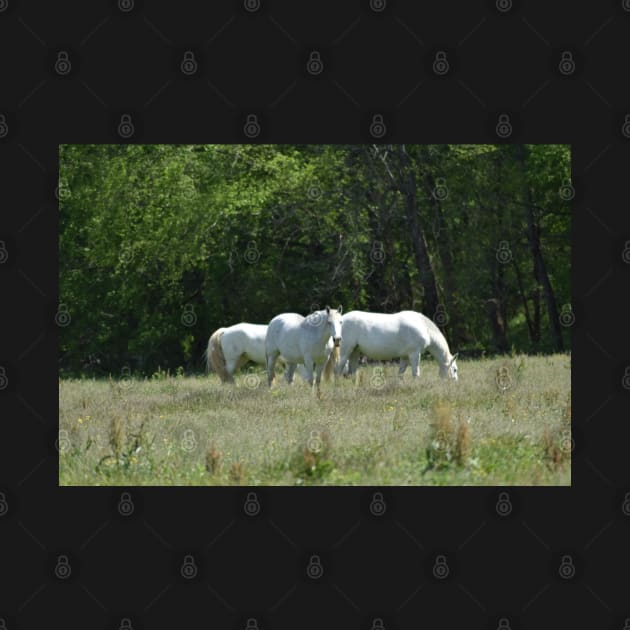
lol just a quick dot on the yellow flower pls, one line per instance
(80, 420)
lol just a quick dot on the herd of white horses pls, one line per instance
(328, 341)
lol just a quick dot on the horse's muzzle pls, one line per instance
(336, 341)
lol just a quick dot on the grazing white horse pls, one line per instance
(229, 349)
(304, 340)
(405, 335)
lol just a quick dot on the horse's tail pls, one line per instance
(333, 361)
(214, 355)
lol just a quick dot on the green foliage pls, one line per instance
(162, 244)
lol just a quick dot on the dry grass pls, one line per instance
(375, 429)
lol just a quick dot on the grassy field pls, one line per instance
(506, 422)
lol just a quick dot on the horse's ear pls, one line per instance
(454, 357)
(327, 308)
(340, 309)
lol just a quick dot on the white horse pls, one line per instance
(405, 335)
(229, 349)
(304, 340)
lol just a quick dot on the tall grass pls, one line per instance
(374, 429)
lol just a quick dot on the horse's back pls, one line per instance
(385, 336)
(281, 331)
(245, 338)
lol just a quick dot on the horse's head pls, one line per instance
(450, 369)
(334, 322)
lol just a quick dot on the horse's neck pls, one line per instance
(438, 347)
(320, 332)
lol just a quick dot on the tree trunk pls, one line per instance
(537, 316)
(540, 270)
(445, 248)
(521, 290)
(407, 187)
(495, 306)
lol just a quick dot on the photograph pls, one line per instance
(315, 315)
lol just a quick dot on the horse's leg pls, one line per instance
(415, 364)
(271, 366)
(318, 377)
(318, 373)
(343, 357)
(230, 368)
(403, 365)
(353, 361)
(290, 372)
(308, 365)
(242, 360)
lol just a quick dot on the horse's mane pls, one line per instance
(432, 326)
(438, 346)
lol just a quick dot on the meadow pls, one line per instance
(507, 421)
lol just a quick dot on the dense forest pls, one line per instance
(162, 244)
